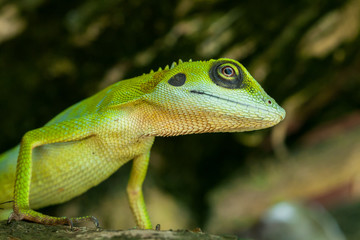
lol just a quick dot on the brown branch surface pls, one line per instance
(25, 230)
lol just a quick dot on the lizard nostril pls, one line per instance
(268, 102)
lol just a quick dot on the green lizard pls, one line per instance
(86, 143)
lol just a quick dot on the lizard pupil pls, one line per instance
(228, 71)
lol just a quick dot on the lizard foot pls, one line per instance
(33, 216)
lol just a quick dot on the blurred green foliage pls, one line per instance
(305, 54)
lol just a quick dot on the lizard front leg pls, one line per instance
(64, 132)
(134, 191)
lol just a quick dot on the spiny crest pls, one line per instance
(167, 67)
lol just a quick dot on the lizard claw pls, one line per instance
(71, 224)
(95, 221)
(84, 219)
(14, 217)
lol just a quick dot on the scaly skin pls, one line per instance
(89, 141)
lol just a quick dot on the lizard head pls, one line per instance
(211, 96)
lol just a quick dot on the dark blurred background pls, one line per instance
(300, 178)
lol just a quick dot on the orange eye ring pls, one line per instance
(228, 71)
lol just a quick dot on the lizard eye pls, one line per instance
(228, 71)
(227, 75)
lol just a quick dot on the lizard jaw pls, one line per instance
(280, 111)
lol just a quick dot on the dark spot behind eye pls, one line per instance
(177, 80)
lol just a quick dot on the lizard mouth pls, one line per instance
(281, 114)
(225, 99)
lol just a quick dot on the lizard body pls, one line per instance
(86, 143)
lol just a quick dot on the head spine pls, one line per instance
(167, 67)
